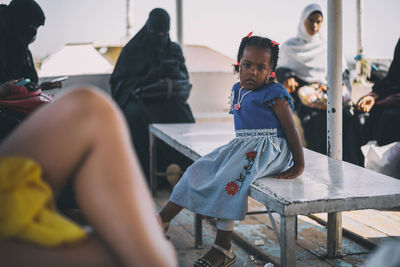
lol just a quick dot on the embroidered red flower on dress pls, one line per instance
(232, 188)
(251, 154)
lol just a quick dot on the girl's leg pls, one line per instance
(223, 239)
(224, 233)
(82, 136)
(169, 211)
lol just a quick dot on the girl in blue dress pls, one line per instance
(266, 144)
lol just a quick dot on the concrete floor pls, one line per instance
(255, 243)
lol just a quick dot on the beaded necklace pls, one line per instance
(240, 98)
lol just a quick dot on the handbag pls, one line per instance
(164, 89)
(383, 159)
(21, 100)
(316, 96)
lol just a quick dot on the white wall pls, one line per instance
(210, 91)
(209, 96)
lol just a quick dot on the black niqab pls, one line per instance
(23, 14)
(158, 20)
(157, 27)
(140, 59)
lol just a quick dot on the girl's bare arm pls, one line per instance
(284, 114)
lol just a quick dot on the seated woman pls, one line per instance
(19, 22)
(81, 137)
(150, 82)
(303, 62)
(383, 105)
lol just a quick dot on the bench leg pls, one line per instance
(198, 231)
(334, 235)
(271, 218)
(288, 242)
(153, 164)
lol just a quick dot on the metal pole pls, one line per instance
(334, 107)
(334, 112)
(153, 163)
(179, 31)
(128, 21)
(359, 32)
(198, 231)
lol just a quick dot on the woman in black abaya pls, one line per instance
(150, 82)
(383, 105)
(19, 22)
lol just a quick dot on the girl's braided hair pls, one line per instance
(262, 42)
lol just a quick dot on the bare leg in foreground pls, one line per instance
(82, 136)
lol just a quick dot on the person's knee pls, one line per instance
(90, 102)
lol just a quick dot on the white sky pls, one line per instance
(219, 24)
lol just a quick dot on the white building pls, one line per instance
(211, 73)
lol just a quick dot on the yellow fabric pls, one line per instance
(27, 209)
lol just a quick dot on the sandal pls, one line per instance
(230, 258)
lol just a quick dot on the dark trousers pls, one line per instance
(314, 122)
(383, 125)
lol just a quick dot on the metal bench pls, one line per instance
(327, 185)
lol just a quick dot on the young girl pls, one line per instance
(266, 143)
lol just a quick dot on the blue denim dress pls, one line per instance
(218, 184)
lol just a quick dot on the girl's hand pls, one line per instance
(284, 114)
(291, 173)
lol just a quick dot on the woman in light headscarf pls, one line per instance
(304, 57)
(303, 61)
(305, 54)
